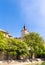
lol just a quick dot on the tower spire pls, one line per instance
(24, 27)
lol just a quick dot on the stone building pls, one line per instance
(5, 33)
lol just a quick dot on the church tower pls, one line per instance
(24, 31)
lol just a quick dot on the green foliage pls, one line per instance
(22, 48)
(1, 35)
(2, 42)
(43, 63)
(16, 47)
(35, 41)
(2, 45)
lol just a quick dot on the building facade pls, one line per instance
(5, 33)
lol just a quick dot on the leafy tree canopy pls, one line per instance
(35, 42)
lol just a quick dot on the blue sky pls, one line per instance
(15, 13)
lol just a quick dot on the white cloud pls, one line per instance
(34, 10)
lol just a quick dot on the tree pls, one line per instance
(22, 49)
(16, 48)
(35, 41)
(3, 43)
(11, 48)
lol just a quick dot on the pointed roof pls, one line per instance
(4, 31)
(24, 27)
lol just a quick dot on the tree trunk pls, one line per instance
(18, 57)
(33, 56)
